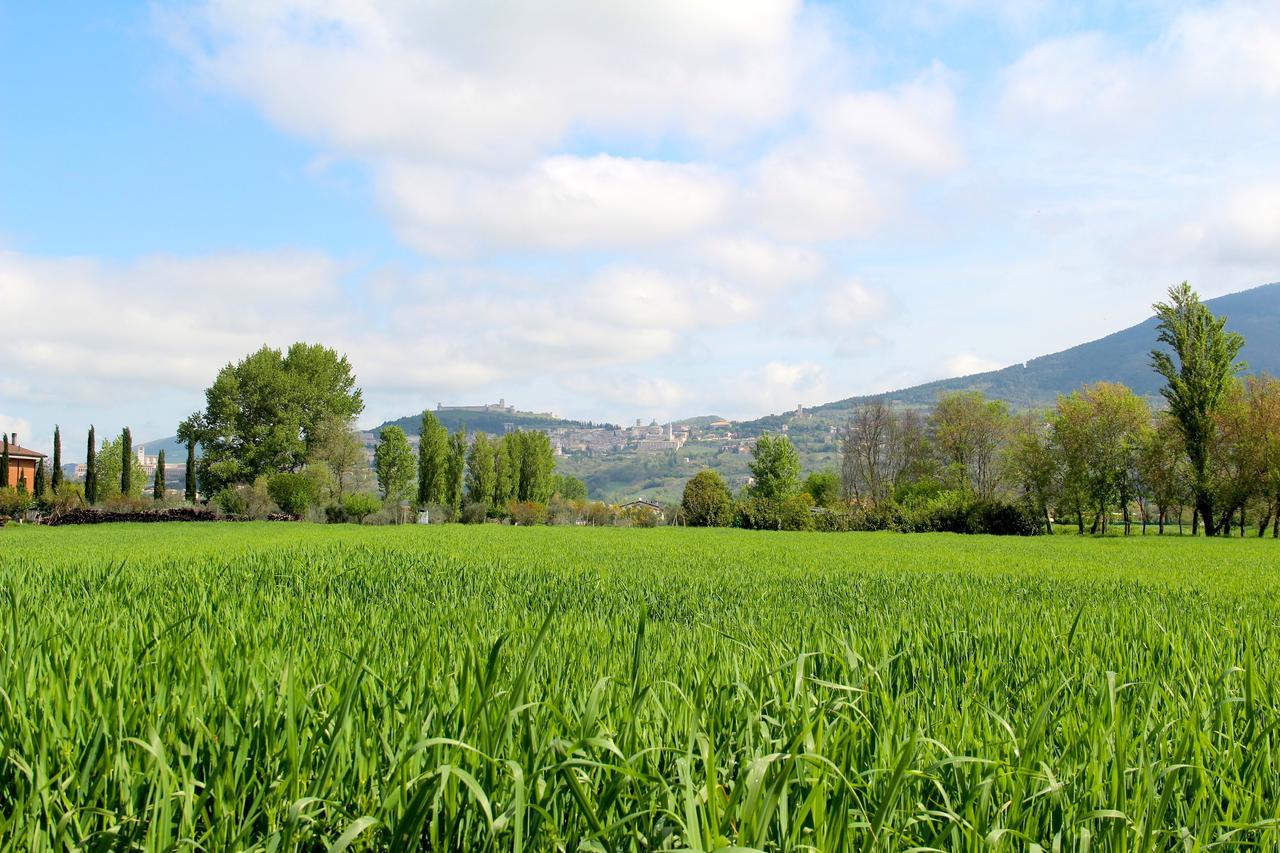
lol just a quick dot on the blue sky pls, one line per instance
(611, 210)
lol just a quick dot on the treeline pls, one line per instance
(970, 465)
(113, 478)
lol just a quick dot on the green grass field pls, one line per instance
(236, 686)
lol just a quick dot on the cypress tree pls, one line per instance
(157, 490)
(191, 470)
(56, 478)
(91, 470)
(126, 462)
(40, 480)
(4, 463)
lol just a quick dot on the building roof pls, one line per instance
(16, 452)
(641, 502)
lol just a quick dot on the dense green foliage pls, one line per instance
(235, 686)
(262, 413)
(91, 470)
(293, 493)
(393, 464)
(1198, 368)
(55, 479)
(706, 501)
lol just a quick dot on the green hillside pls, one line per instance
(493, 423)
(1119, 357)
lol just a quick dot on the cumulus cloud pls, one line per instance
(558, 203)
(778, 386)
(473, 117)
(967, 364)
(1246, 229)
(500, 82)
(132, 330)
(1209, 61)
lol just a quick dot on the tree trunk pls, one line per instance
(1241, 521)
(1048, 522)
(1127, 520)
(1264, 524)
(1160, 511)
(1080, 520)
(1195, 520)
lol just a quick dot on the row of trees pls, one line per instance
(482, 473)
(111, 471)
(971, 464)
(1102, 449)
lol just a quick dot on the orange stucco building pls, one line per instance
(22, 464)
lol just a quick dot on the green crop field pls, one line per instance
(236, 686)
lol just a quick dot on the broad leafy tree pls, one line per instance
(775, 466)
(337, 448)
(706, 501)
(1198, 367)
(969, 433)
(1033, 464)
(262, 413)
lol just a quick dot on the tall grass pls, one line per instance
(295, 687)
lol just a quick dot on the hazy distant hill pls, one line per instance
(493, 423)
(1120, 357)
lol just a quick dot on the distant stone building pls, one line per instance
(499, 407)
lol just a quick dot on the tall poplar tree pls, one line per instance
(454, 469)
(91, 470)
(157, 488)
(481, 475)
(1207, 360)
(433, 447)
(126, 462)
(4, 463)
(41, 481)
(55, 479)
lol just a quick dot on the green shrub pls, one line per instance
(527, 512)
(293, 493)
(358, 506)
(475, 513)
(793, 513)
(231, 502)
(14, 502)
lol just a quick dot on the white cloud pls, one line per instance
(777, 386)
(1246, 230)
(761, 262)
(1208, 68)
(967, 364)
(10, 424)
(499, 82)
(851, 304)
(559, 203)
(130, 331)
(632, 392)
